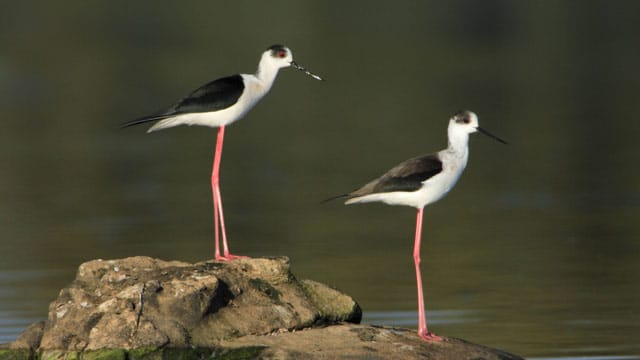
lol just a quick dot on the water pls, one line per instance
(535, 251)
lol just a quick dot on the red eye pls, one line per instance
(282, 53)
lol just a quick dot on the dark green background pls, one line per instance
(538, 245)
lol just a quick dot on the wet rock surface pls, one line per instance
(141, 307)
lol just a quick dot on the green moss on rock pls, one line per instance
(242, 353)
(145, 353)
(57, 355)
(16, 354)
(105, 354)
(266, 288)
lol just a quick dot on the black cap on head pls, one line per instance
(276, 48)
(463, 116)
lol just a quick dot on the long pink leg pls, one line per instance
(225, 246)
(217, 203)
(422, 319)
(215, 218)
(215, 181)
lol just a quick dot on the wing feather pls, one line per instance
(406, 176)
(216, 95)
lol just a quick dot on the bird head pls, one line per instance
(280, 56)
(467, 121)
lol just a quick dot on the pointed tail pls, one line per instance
(334, 198)
(143, 120)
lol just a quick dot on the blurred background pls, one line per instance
(536, 251)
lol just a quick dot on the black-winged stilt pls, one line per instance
(420, 181)
(217, 104)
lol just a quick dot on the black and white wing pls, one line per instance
(406, 176)
(213, 96)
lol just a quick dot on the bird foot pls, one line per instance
(229, 257)
(429, 336)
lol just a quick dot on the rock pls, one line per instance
(352, 341)
(140, 302)
(144, 308)
(333, 305)
(30, 338)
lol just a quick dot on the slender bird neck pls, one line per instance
(266, 74)
(458, 141)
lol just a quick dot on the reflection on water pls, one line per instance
(23, 301)
(409, 318)
(535, 251)
(463, 318)
(13, 323)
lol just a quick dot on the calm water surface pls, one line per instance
(536, 250)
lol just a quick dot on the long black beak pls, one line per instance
(491, 135)
(304, 70)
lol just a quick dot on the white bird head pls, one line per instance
(280, 56)
(467, 122)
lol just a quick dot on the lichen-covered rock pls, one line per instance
(333, 305)
(140, 302)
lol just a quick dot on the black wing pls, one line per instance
(406, 176)
(216, 95)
